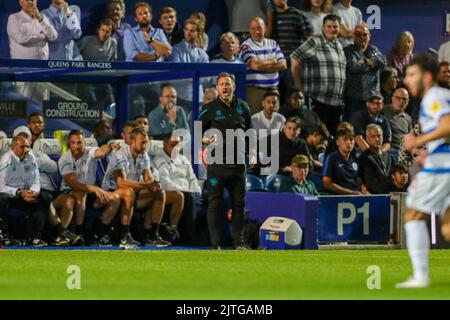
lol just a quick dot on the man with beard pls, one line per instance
(143, 42)
(115, 10)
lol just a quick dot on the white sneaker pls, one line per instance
(413, 283)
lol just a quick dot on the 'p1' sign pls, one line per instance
(349, 207)
(354, 218)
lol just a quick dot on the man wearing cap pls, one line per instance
(297, 182)
(373, 114)
(20, 188)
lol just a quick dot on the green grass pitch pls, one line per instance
(226, 274)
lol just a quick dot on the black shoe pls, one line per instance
(156, 241)
(60, 241)
(37, 242)
(242, 246)
(129, 243)
(173, 233)
(104, 241)
(72, 238)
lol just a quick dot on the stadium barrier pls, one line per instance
(375, 219)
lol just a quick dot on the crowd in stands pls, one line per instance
(335, 102)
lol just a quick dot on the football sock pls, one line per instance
(418, 243)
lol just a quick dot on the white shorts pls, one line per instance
(429, 192)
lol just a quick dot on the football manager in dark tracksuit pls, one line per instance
(226, 112)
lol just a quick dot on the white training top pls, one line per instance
(16, 174)
(85, 168)
(122, 160)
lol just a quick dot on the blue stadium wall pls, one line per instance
(425, 19)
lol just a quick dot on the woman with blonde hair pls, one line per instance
(202, 39)
(315, 11)
(400, 56)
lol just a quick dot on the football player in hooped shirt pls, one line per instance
(429, 192)
(78, 168)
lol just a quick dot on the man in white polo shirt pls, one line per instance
(78, 168)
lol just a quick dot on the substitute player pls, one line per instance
(430, 190)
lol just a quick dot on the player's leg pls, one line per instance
(101, 237)
(445, 225)
(153, 216)
(418, 244)
(80, 210)
(127, 196)
(426, 194)
(176, 200)
(61, 213)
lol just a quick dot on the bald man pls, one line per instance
(264, 60)
(400, 121)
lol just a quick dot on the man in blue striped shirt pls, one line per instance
(143, 42)
(264, 60)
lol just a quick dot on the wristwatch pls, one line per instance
(150, 40)
(19, 193)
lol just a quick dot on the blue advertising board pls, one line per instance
(354, 218)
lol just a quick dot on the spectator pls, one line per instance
(268, 119)
(167, 117)
(341, 169)
(400, 56)
(398, 179)
(264, 60)
(290, 29)
(405, 157)
(351, 17)
(169, 23)
(78, 168)
(297, 182)
(30, 32)
(444, 51)
(240, 14)
(187, 51)
(316, 138)
(295, 107)
(20, 188)
(290, 144)
(322, 62)
(67, 25)
(364, 63)
(389, 82)
(115, 10)
(202, 39)
(143, 42)
(103, 132)
(100, 46)
(399, 121)
(315, 11)
(229, 46)
(372, 114)
(374, 164)
(444, 74)
(129, 174)
(178, 180)
(211, 94)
